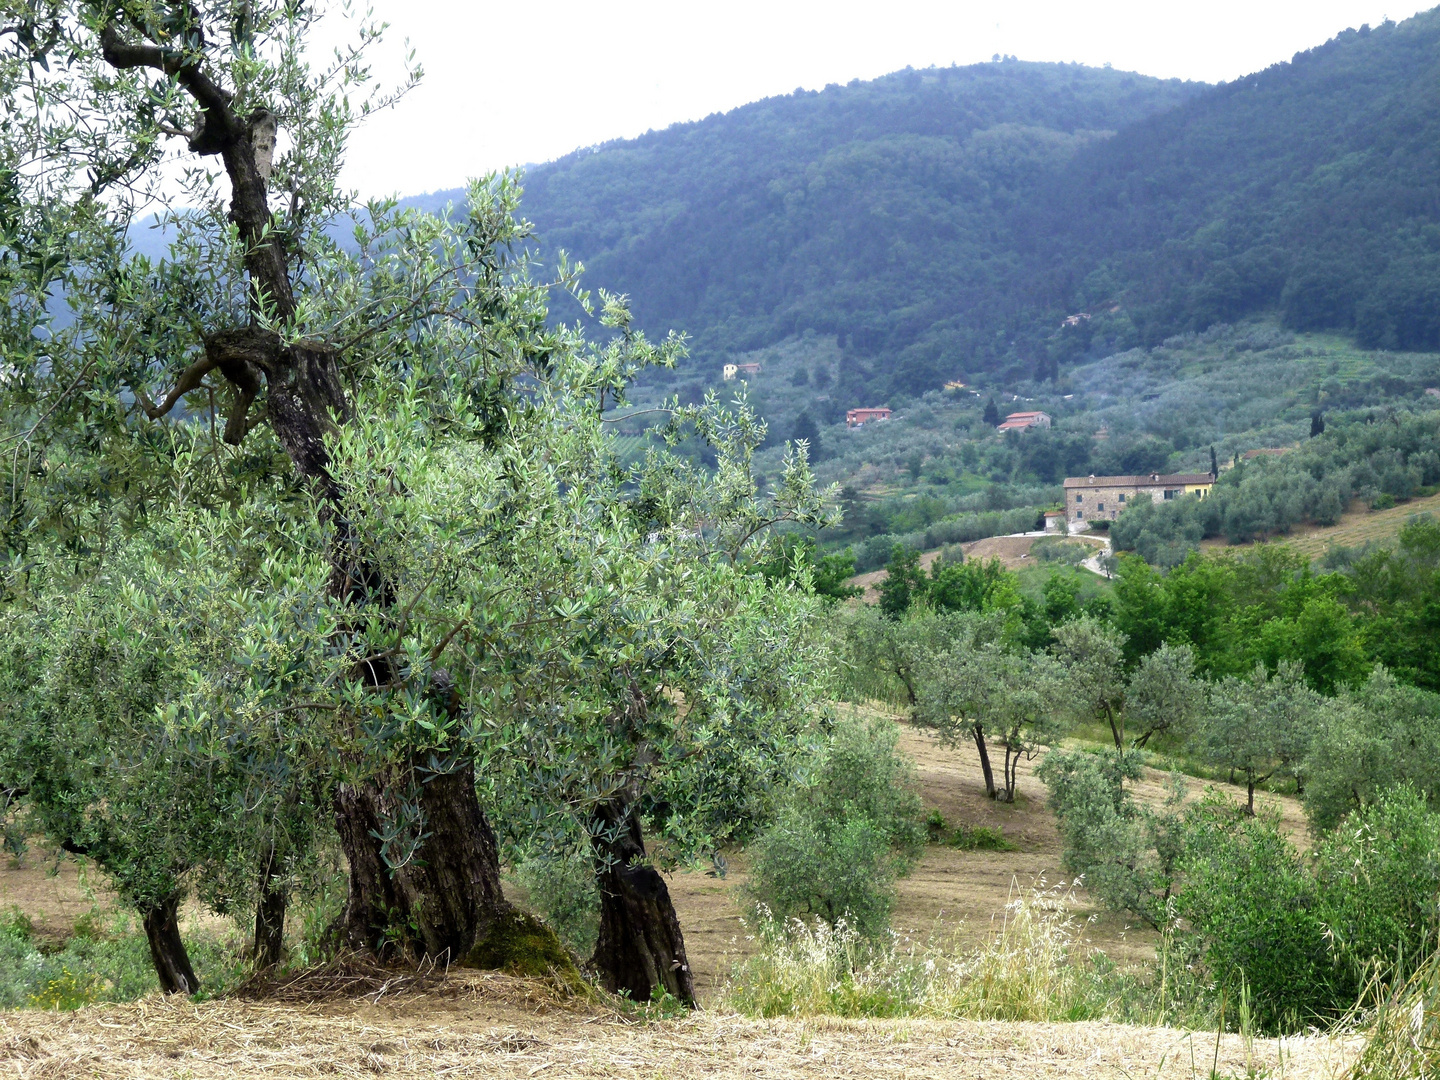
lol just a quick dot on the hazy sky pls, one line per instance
(511, 83)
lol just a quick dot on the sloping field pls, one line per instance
(474, 1024)
(1357, 526)
(1012, 551)
(477, 1025)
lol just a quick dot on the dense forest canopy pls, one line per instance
(946, 221)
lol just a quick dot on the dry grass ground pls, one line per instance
(476, 1025)
(957, 892)
(489, 1025)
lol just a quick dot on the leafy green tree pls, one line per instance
(904, 582)
(416, 451)
(980, 690)
(808, 432)
(1127, 852)
(1163, 695)
(1091, 655)
(1259, 727)
(789, 558)
(1369, 738)
(1255, 916)
(846, 830)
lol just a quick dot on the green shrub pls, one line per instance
(845, 832)
(965, 837)
(1125, 852)
(562, 887)
(109, 961)
(1255, 918)
(1379, 879)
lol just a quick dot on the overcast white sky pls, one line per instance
(508, 83)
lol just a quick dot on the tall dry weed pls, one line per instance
(1403, 1037)
(1027, 971)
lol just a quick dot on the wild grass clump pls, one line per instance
(1402, 1040)
(1028, 971)
(966, 837)
(104, 959)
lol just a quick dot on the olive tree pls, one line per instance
(397, 432)
(981, 690)
(1260, 726)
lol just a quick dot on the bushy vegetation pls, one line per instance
(102, 959)
(845, 830)
(1366, 456)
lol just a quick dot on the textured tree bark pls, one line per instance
(979, 732)
(441, 903)
(640, 948)
(456, 891)
(269, 915)
(172, 962)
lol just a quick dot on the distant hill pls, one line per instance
(879, 212)
(1312, 187)
(946, 221)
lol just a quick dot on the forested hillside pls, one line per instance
(1312, 187)
(944, 222)
(878, 212)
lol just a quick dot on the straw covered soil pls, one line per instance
(473, 1024)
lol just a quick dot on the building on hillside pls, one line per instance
(1103, 498)
(856, 417)
(1054, 521)
(1433, 391)
(955, 384)
(748, 369)
(1019, 421)
(728, 371)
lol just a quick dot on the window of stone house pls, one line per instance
(1102, 506)
(1169, 493)
(1122, 498)
(1080, 497)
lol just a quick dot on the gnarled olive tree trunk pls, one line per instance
(269, 947)
(448, 896)
(452, 890)
(640, 948)
(167, 951)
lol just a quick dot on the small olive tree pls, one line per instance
(1260, 726)
(979, 689)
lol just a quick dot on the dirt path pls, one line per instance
(476, 1025)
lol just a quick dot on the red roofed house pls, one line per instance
(1019, 421)
(856, 417)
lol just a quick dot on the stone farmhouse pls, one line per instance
(1102, 498)
(1019, 421)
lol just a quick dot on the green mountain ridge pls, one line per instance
(945, 222)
